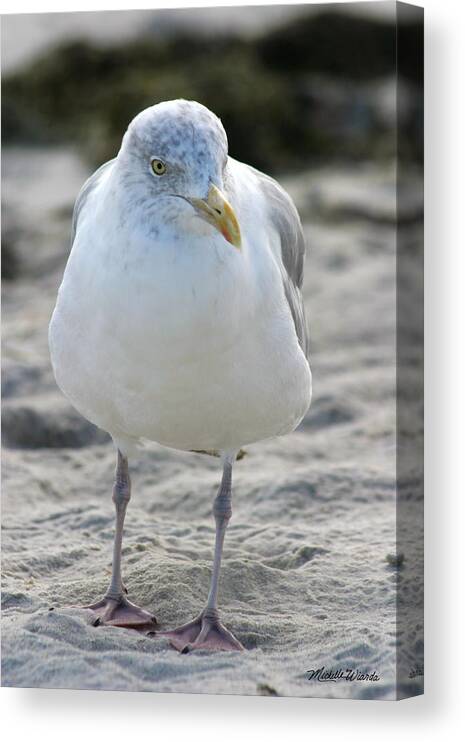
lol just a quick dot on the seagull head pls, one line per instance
(175, 154)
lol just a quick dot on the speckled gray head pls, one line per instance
(184, 135)
(179, 150)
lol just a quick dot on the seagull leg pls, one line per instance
(206, 631)
(114, 608)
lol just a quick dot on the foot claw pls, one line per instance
(202, 633)
(120, 612)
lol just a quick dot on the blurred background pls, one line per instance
(293, 84)
(324, 99)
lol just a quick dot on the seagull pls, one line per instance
(180, 319)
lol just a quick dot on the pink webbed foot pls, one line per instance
(202, 633)
(121, 612)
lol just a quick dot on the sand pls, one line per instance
(310, 577)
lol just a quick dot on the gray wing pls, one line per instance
(285, 219)
(89, 186)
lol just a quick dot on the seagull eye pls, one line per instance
(158, 167)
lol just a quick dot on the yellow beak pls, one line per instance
(219, 213)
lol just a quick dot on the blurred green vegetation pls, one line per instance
(271, 91)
